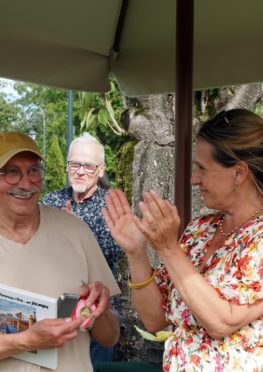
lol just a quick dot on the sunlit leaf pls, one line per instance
(103, 116)
(160, 336)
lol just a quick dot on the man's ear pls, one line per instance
(102, 170)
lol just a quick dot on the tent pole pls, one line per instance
(119, 29)
(183, 109)
(69, 121)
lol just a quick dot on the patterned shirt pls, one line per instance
(235, 271)
(90, 211)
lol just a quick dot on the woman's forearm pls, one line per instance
(218, 316)
(147, 300)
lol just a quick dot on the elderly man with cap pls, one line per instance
(49, 252)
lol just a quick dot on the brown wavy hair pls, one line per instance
(236, 135)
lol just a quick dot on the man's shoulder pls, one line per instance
(59, 216)
(100, 194)
(63, 191)
(61, 225)
(56, 196)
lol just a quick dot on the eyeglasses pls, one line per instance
(75, 166)
(13, 175)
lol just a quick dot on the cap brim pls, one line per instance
(9, 154)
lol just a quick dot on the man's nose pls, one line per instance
(25, 181)
(81, 169)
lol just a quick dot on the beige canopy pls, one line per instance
(75, 44)
(70, 44)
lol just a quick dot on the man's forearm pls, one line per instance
(106, 328)
(11, 344)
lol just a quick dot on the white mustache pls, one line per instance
(23, 192)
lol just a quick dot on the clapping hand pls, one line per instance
(160, 223)
(121, 222)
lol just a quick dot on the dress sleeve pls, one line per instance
(242, 281)
(162, 277)
(165, 286)
(195, 231)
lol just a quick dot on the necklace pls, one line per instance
(250, 217)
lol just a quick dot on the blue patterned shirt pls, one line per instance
(90, 211)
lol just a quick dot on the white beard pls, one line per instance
(79, 189)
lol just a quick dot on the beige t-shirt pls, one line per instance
(61, 254)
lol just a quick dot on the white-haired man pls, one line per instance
(85, 198)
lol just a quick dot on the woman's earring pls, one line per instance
(235, 184)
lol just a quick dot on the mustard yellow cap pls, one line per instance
(12, 143)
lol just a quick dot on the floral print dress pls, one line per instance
(236, 273)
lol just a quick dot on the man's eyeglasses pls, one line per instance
(74, 166)
(13, 175)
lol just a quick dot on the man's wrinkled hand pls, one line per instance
(96, 293)
(50, 333)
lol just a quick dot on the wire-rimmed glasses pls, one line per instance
(13, 175)
(74, 166)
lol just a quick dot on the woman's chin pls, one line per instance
(212, 205)
(208, 203)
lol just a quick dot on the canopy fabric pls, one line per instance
(69, 44)
(76, 44)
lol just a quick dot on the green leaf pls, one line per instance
(103, 116)
(87, 120)
(112, 87)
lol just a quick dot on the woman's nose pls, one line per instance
(195, 179)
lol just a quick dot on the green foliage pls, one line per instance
(103, 109)
(8, 114)
(101, 116)
(55, 167)
(45, 110)
(258, 108)
(43, 106)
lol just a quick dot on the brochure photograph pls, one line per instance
(19, 310)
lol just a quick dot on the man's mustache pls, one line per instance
(23, 192)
